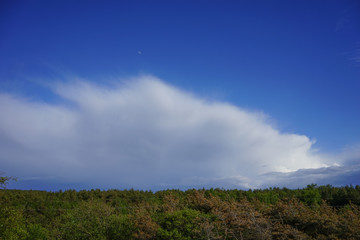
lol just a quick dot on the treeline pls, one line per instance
(315, 212)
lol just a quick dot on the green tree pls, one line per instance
(12, 224)
(90, 220)
(4, 180)
(311, 195)
(37, 232)
(181, 224)
(120, 227)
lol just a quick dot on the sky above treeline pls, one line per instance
(179, 94)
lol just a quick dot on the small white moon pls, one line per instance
(139, 52)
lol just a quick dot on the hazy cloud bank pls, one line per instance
(144, 133)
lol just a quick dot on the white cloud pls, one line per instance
(334, 175)
(144, 133)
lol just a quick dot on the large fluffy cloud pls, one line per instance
(144, 133)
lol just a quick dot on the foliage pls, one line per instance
(315, 212)
(37, 232)
(4, 180)
(90, 220)
(12, 223)
(180, 224)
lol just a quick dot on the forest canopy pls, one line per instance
(315, 212)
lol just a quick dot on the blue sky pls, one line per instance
(291, 66)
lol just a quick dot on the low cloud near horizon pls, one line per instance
(144, 133)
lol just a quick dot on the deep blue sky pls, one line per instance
(297, 61)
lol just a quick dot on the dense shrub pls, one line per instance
(314, 212)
